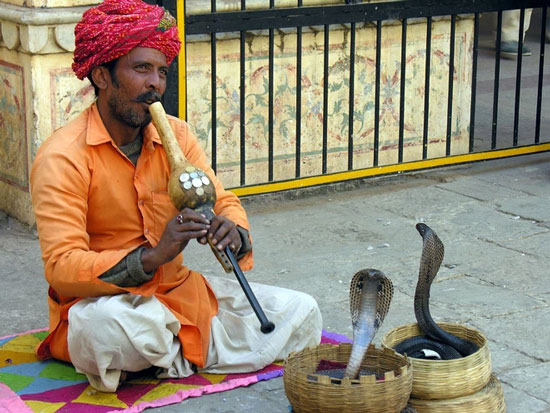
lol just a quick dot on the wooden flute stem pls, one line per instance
(169, 141)
(220, 255)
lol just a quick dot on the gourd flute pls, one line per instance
(189, 187)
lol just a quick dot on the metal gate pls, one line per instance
(508, 110)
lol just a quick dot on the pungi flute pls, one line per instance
(189, 187)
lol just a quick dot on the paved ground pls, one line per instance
(493, 218)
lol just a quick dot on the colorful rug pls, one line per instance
(28, 385)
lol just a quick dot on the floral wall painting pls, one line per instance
(13, 145)
(312, 80)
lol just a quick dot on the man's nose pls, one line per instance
(154, 80)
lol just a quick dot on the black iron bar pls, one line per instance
(541, 74)
(351, 95)
(325, 99)
(270, 102)
(427, 76)
(474, 83)
(172, 100)
(298, 97)
(497, 79)
(518, 78)
(450, 87)
(213, 87)
(243, 102)
(377, 94)
(402, 88)
(343, 14)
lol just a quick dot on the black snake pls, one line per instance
(446, 345)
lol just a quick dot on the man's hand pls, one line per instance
(188, 224)
(223, 232)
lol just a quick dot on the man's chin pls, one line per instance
(146, 121)
(138, 121)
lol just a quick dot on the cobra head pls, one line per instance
(370, 296)
(432, 253)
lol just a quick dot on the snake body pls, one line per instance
(447, 345)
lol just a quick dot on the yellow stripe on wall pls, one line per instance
(182, 67)
(387, 169)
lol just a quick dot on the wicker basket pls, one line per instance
(489, 399)
(446, 379)
(308, 391)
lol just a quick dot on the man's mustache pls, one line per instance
(150, 96)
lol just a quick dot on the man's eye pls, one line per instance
(141, 68)
(163, 72)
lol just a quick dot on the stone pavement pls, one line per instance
(493, 217)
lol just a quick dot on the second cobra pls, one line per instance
(446, 346)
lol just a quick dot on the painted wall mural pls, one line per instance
(284, 112)
(13, 130)
(69, 97)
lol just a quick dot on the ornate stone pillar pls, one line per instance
(38, 92)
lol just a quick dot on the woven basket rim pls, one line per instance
(402, 371)
(444, 379)
(308, 391)
(479, 338)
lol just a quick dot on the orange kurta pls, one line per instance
(93, 207)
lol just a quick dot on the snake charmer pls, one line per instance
(121, 298)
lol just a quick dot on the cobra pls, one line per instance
(370, 297)
(446, 345)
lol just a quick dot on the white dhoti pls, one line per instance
(111, 334)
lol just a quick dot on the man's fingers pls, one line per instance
(231, 239)
(234, 247)
(222, 233)
(192, 226)
(235, 242)
(188, 215)
(218, 233)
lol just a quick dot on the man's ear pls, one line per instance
(101, 76)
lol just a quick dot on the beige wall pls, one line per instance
(256, 119)
(39, 93)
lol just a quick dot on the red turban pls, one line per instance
(115, 27)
